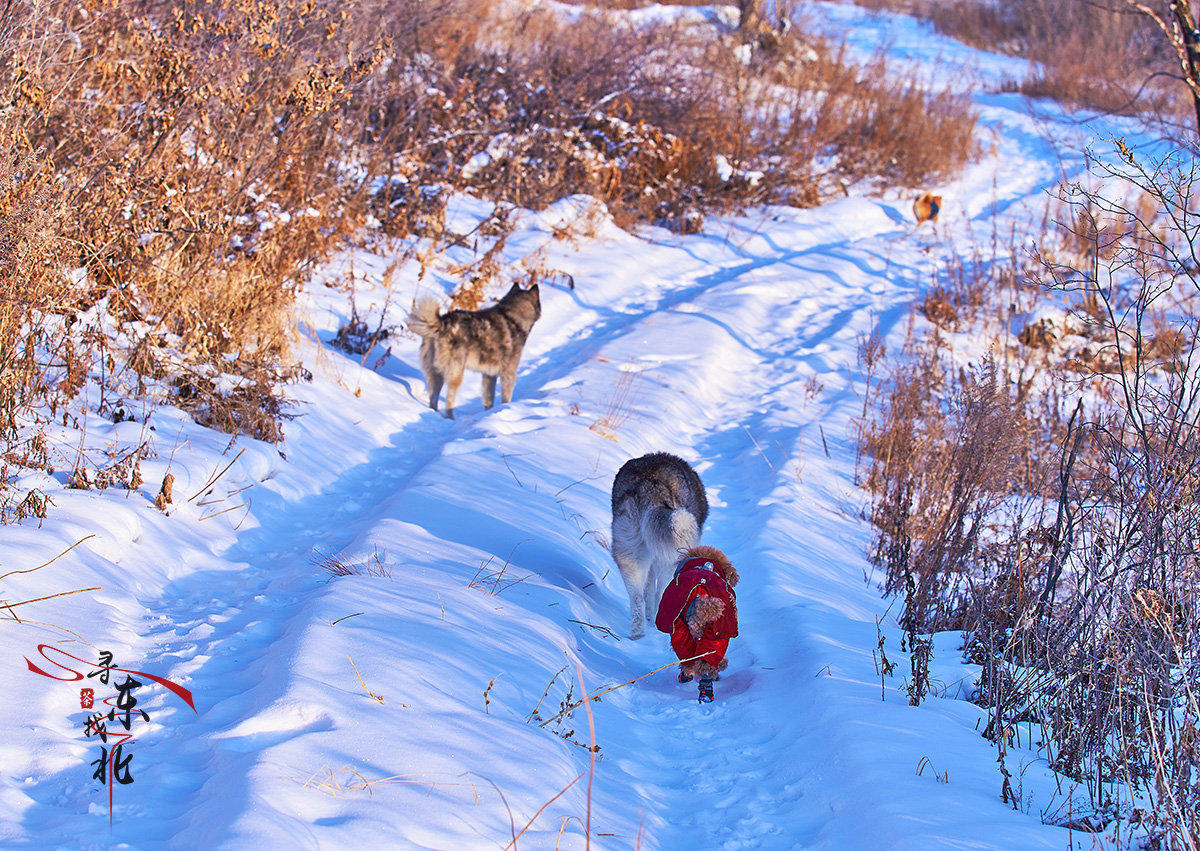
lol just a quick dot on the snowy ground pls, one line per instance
(391, 708)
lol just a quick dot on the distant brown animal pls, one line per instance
(926, 207)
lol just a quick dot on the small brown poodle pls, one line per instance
(699, 612)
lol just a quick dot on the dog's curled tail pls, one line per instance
(669, 531)
(684, 531)
(423, 321)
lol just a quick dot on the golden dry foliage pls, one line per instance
(170, 174)
(37, 360)
(1098, 54)
(662, 123)
(196, 148)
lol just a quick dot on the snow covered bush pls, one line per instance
(1074, 572)
(1109, 55)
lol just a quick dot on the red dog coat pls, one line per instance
(698, 577)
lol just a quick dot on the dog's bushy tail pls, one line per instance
(669, 531)
(424, 319)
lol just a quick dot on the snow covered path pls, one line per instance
(394, 707)
(740, 355)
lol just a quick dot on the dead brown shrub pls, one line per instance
(1097, 55)
(939, 472)
(662, 123)
(1073, 571)
(196, 148)
(38, 361)
(891, 128)
(212, 153)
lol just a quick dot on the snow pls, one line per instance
(394, 707)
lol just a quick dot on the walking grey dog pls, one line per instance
(488, 341)
(658, 507)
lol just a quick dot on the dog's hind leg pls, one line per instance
(635, 572)
(489, 391)
(435, 388)
(433, 375)
(633, 559)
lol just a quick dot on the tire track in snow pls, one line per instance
(813, 242)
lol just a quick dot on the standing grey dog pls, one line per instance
(488, 341)
(658, 507)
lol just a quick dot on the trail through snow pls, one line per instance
(391, 708)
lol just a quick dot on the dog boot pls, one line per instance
(685, 674)
(706, 691)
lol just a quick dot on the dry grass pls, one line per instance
(193, 155)
(170, 176)
(620, 404)
(339, 564)
(31, 299)
(377, 697)
(935, 471)
(1096, 55)
(495, 581)
(347, 779)
(1062, 535)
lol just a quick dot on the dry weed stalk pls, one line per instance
(592, 751)
(7, 606)
(924, 763)
(48, 563)
(487, 692)
(518, 834)
(592, 748)
(339, 564)
(378, 697)
(569, 705)
(496, 582)
(332, 784)
(883, 666)
(619, 408)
